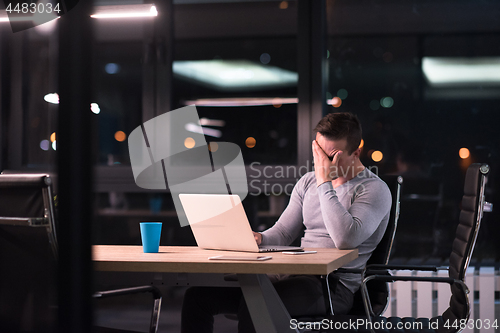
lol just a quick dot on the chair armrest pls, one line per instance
(426, 268)
(390, 278)
(127, 291)
(380, 269)
(349, 270)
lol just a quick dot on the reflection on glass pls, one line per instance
(247, 91)
(117, 92)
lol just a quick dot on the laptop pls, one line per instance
(219, 222)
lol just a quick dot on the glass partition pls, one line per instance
(424, 82)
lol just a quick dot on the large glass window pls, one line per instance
(425, 87)
(118, 95)
(34, 78)
(244, 86)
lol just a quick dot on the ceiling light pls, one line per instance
(125, 11)
(234, 75)
(451, 72)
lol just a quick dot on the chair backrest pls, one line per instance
(420, 235)
(468, 226)
(382, 252)
(379, 290)
(28, 253)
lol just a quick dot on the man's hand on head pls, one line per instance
(258, 237)
(324, 168)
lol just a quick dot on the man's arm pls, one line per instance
(349, 228)
(289, 225)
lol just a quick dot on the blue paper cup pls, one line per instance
(150, 234)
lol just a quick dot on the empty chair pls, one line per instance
(28, 258)
(28, 254)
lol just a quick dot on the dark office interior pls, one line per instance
(423, 77)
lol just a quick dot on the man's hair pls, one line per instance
(341, 125)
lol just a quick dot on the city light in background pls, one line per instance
(189, 143)
(250, 142)
(464, 153)
(387, 102)
(335, 102)
(45, 145)
(120, 136)
(53, 98)
(213, 147)
(377, 156)
(94, 107)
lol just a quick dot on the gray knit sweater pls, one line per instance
(353, 215)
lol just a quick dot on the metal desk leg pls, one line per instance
(267, 311)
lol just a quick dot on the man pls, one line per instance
(341, 203)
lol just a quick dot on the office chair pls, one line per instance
(469, 222)
(28, 254)
(28, 257)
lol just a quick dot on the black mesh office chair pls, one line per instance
(28, 257)
(463, 246)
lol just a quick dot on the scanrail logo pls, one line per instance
(26, 14)
(170, 151)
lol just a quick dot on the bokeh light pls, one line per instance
(342, 93)
(377, 156)
(464, 153)
(51, 98)
(120, 136)
(45, 145)
(362, 143)
(112, 68)
(283, 4)
(250, 142)
(53, 137)
(94, 107)
(336, 102)
(387, 102)
(54, 145)
(374, 105)
(277, 103)
(189, 143)
(213, 147)
(265, 58)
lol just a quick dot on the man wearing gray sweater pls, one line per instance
(342, 205)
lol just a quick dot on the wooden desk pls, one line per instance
(266, 309)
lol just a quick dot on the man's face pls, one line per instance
(331, 147)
